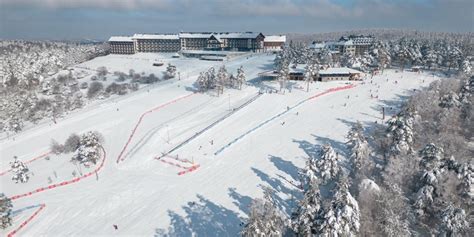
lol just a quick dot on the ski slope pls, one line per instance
(145, 196)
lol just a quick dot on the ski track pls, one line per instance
(210, 126)
(120, 158)
(281, 114)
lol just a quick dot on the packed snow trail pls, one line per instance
(44, 155)
(64, 183)
(16, 212)
(145, 138)
(280, 114)
(119, 158)
(24, 223)
(210, 126)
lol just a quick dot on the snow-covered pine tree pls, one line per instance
(202, 82)
(88, 152)
(465, 68)
(240, 77)
(449, 100)
(170, 71)
(454, 221)
(432, 161)
(264, 219)
(358, 146)
(222, 79)
(20, 171)
(311, 69)
(5, 211)
(343, 216)
(327, 164)
(400, 129)
(304, 219)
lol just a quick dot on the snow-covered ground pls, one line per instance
(264, 143)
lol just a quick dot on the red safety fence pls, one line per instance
(193, 168)
(24, 223)
(174, 164)
(44, 155)
(340, 88)
(175, 158)
(64, 183)
(120, 158)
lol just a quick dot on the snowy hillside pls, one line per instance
(205, 185)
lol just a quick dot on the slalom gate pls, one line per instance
(120, 157)
(331, 90)
(64, 183)
(24, 223)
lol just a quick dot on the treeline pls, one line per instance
(411, 177)
(441, 54)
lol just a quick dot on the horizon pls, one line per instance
(97, 20)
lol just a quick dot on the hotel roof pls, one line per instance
(120, 39)
(156, 36)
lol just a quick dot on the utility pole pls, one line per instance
(229, 102)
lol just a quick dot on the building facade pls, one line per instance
(121, 45)
(228, 41)
(354, 44)
(156, 43)
(274, 43)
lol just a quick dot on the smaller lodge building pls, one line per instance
(324, 75)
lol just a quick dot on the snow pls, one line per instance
(339, 70)
(275, 38)
(120, 39)
(156, 36)
(143, 196)
(222, 35)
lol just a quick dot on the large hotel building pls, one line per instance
(229, 41)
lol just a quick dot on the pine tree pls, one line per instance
(170, 71)
(20, 171)
(88, 152)
(343, 216)
(358, 146)
(454, 221)
(327, 164)
(400, 129)
(5, 211)
(264, 219)
(304, 220)
(240, 77)
(311, 70)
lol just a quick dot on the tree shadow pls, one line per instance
(241, 201)
(203, 218)
(286, 166)
(286, 205)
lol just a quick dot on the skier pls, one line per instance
(287, 108)
(297, 113)
(212, 142)
(283, 123)
(115, 227)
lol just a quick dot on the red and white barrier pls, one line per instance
(120, 158)
(24, 223)
(193, 168)
(44, 155)
(64, 183)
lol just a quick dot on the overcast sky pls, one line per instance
(98, 19)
